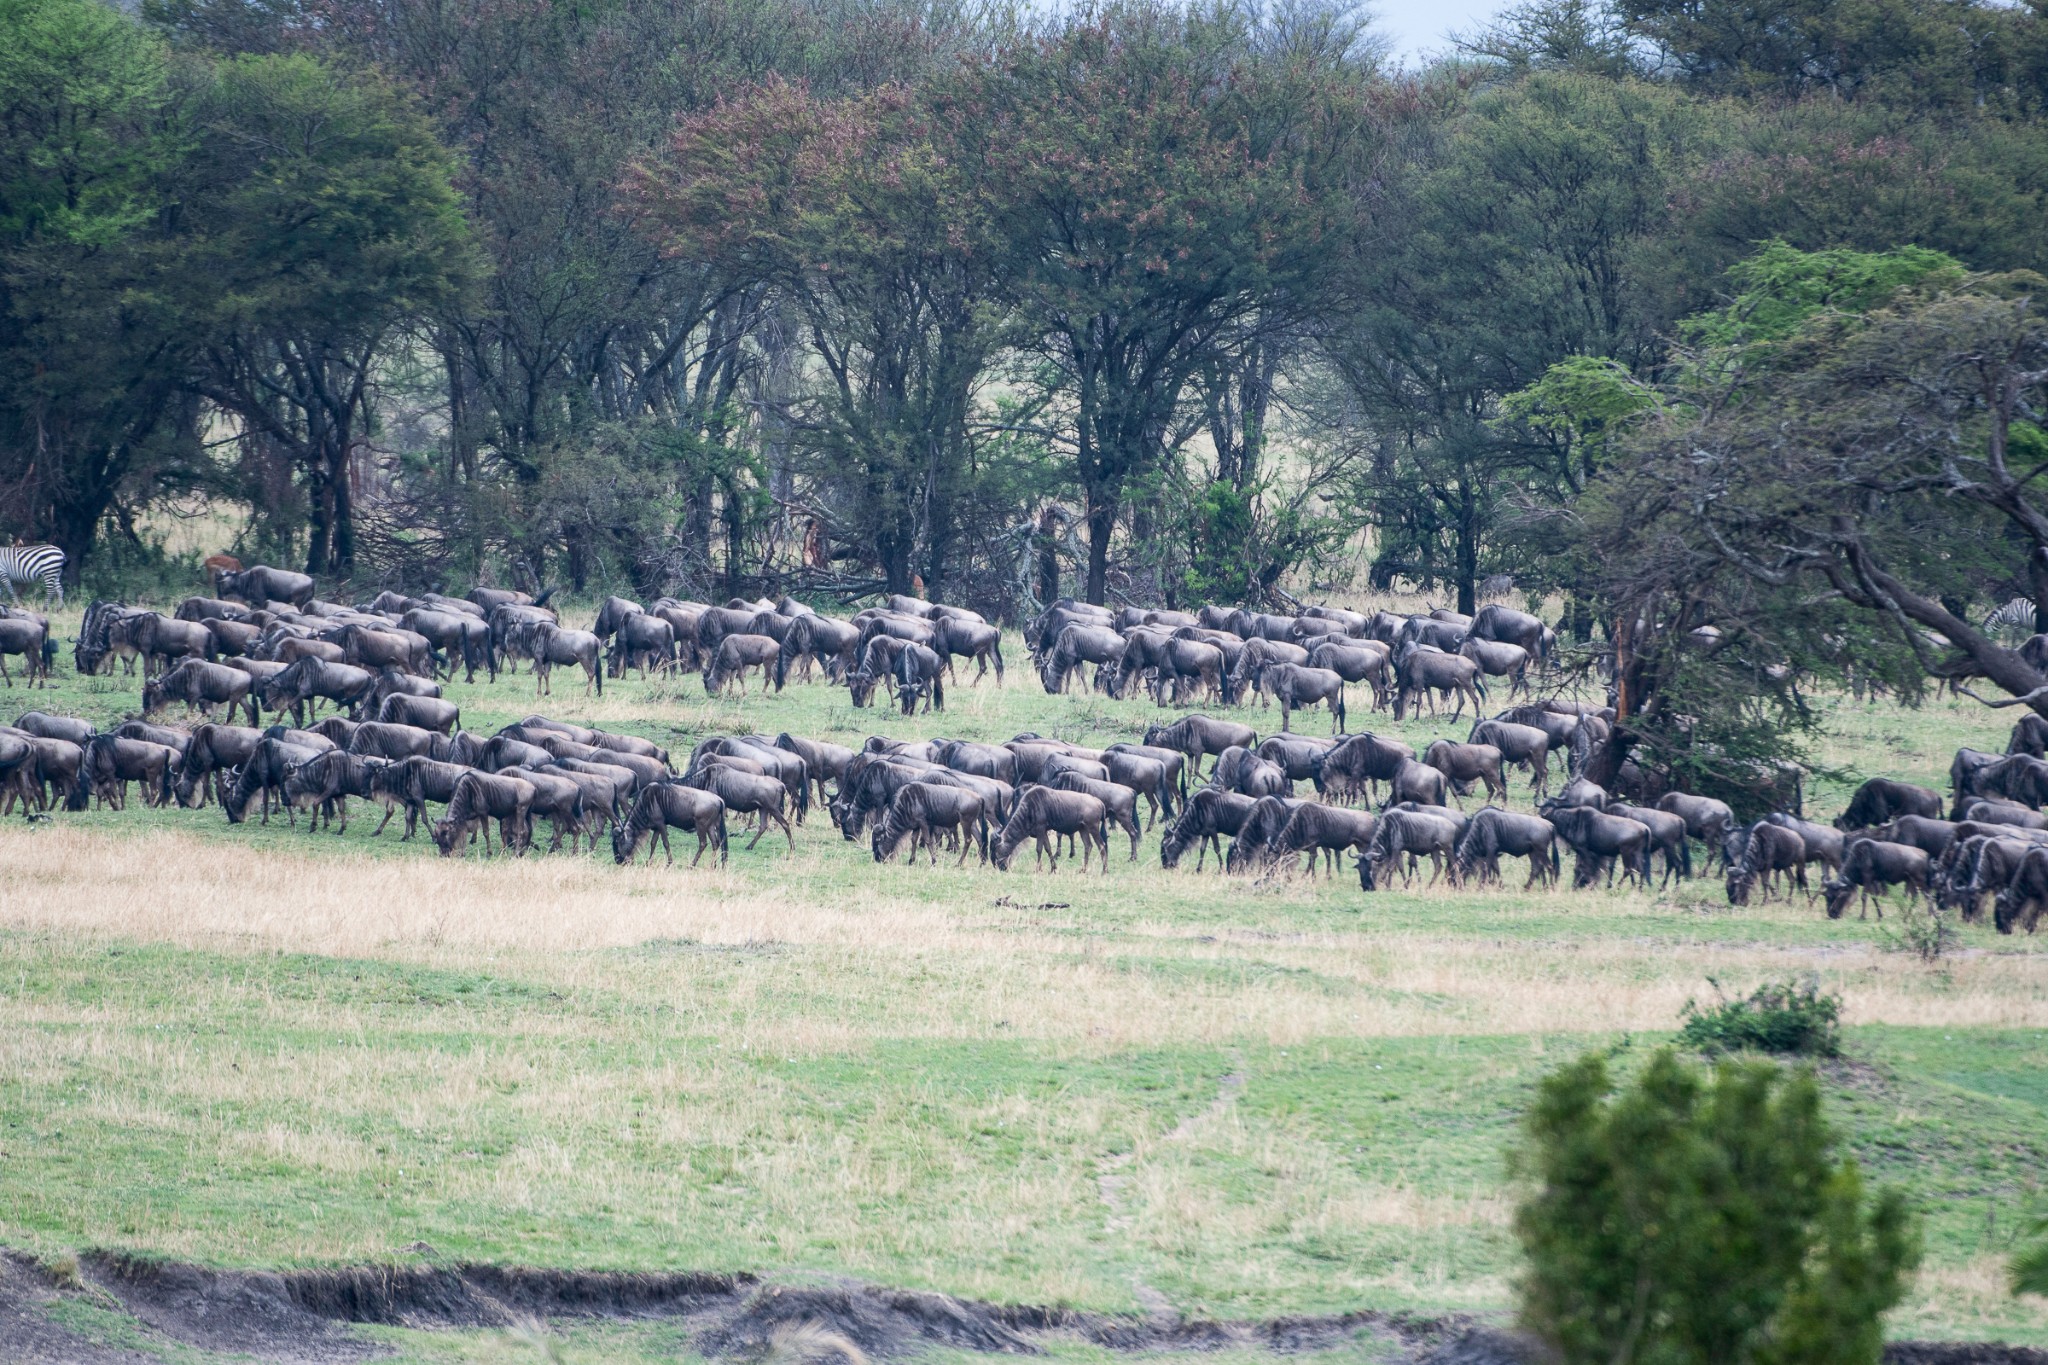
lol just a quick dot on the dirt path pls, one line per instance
(110, 1309)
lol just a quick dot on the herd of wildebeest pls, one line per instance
(266, 643)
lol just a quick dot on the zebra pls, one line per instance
(2014, 618)
(26, 564)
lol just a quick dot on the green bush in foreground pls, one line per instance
(1701, 1217)
(1786, 1018)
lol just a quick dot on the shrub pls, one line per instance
(1701, 1218)
(1786, 1018)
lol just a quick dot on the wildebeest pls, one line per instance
(1197, 736)
(427, 713)
(323, 784)
(1493, 833)
(113, 761)
(746, 793)
(1871, 866)
(1601, 842)
(1365, 661)
(548, 644)
(1041, 813)
(377, 648)
(956, 637)
(1668, 835)
(612, 613)
(1402, 834)
(1508, 626)
(1248, 669)
(1119, 803)
(1295, 685)
(1079, 644)
(26, 637)
(311, 679)
(55, 727)
(1767, 850)
(824, 639)
(458, 635)
(261, 584)
(1243, 771)
(1881, 798)
(917, 672)
(1824, 843)
(1180, 662)
(1525, 745)
(1208, 814)
(1464, 764)
(1498, 660)
(1706, 819)
(480, 798)
(1354, 765)
(921, 812)
(1315, 828)
(732, 658)
(409, 784)
(642, 641)
(2020, 904)
(1424, 673)
(204, 685)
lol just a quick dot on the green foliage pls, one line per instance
(1781, 287)
(1785, 1018)
(1703, 1218)
(1220, 564)
(2029, 1269)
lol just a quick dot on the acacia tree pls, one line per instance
(320, 218)
(869, 218)
(1163, 220)
(1864, 433)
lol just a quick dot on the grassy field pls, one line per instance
(1149, 1090)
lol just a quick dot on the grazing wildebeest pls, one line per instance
(204, 685)
(1180, 662)
(821, 639)
(1079, 644)
(736, 654)
(1119, 803)
(1766, 850)
(113, 761)
(918, 671)
(409, 784)
(1041, 812)
(211, 754)
(745, 793)
(642, 640)
(1401, 834)
(823, 760)
(559, 797)
(58, 773)
(1249, 667)
(393, 741)
(427, 713)
(1931, 837)
(262, 584)
(1824, 843)
(922, 812)
(1870, 866)
(323, 784)
(1315, 828)
(1423, 673)
(1464, 764)
(1254, 844)
(264, 775)
(1975, 868)
(1357, 763)
(1197, 736)
(212, 609)
(1493, 833)
(1298, 756)
(378, 648)
(1207, 814)
(1242, 770)
(287, 648)
(1881, 798)
(308, 679)
(1599, 841)
(2025, 896)
(55, 727)
(480, 798)
(232, 638)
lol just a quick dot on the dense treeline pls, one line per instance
(1711, 320)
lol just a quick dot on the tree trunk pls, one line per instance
(1101, 524)
(1468, 551)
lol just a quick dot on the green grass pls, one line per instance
(251, 1046)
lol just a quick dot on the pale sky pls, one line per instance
(1417, 27)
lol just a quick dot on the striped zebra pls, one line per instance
(2014, 618)
(28, 564)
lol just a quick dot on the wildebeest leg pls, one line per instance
(388, 812)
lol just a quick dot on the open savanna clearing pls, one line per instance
(1146, 1091)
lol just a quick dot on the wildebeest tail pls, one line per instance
(938, 693)
(541, 598)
